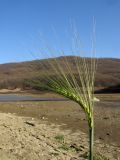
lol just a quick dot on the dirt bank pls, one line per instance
(27, 138)
(21, 140)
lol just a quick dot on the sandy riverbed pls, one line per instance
(28, 130)
(27, 138)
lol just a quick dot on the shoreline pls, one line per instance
(25, 122)
(70, 114)
(28, 138)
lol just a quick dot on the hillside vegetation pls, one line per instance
(13, 75)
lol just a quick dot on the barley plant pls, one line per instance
(73, 77)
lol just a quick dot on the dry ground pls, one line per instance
(36, 140)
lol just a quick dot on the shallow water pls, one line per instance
(13, 97)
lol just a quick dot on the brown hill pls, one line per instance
(13, 75)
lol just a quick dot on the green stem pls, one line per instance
(91, 139)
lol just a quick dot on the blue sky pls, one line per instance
(24, 22)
